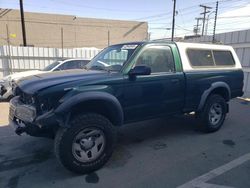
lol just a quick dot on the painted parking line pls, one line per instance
(200, 182)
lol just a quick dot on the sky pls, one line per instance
(232, 14)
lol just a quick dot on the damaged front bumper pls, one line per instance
(23, 118)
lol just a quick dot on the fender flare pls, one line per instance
(63, 111)
(207, 92)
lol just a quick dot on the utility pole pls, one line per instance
(204, 16)
(62, 40)
(173, 21)
(215, 20)
(23, 23)
(208, 17)
(196, 29)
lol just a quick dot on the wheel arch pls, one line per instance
(220, 88)
(95, 102)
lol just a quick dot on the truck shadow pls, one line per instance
(151, 133)
(156, 129)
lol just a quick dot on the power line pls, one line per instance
(243, 16)
(106, 21)
(69, 24)
(167, 13)
(161, 16)
(184, 28)
(73, 3)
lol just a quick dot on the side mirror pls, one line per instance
(140, 70)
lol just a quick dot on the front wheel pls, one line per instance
(87, 145)
(212, 117)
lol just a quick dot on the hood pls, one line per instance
(32, 84)
(17, 76)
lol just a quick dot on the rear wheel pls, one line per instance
(212, 117)
(87, 145)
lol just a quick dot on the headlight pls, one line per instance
(25, 113)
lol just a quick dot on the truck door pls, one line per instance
(161, 92)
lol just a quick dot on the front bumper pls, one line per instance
(23, 119)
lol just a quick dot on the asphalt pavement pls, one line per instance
(157, 153)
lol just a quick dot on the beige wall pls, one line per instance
(44, 30)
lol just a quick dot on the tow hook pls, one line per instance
(20, 130)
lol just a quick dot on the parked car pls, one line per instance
(65, 64)
(125, 83)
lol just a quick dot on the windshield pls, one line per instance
(112, 58)
(51, 66)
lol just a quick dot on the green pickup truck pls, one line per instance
(129, 82)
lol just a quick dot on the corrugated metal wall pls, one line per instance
(240, 40)
(15, 58)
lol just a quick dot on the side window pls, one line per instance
(83, 63)
(70, 65)
(158, 58)
(200, 58)
(223, 58)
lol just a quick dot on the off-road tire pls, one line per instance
(204, 124)
(64, 139)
